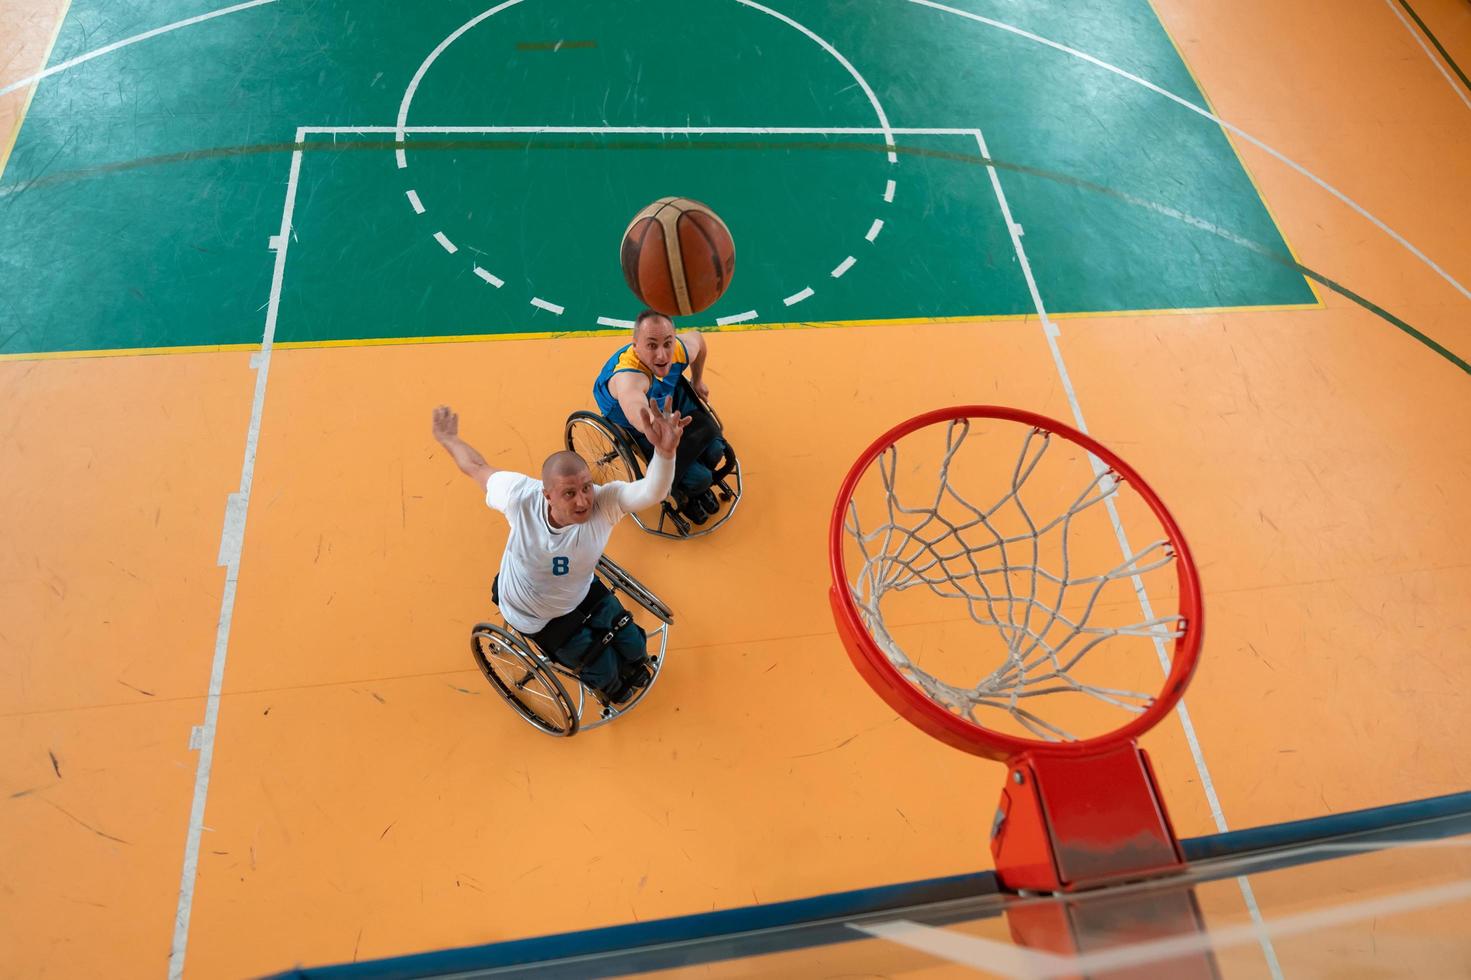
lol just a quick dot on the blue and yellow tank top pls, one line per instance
(626, 359)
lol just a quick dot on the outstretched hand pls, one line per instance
(664, 426)
(446, 424)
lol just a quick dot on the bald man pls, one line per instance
(652, 367)
(560, 525)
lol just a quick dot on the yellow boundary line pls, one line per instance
(14, 137)
(579, 334)
(1187, 311)
(1312, 286)
(66, 355)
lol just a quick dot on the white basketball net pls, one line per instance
(972, 560)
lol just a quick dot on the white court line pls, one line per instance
(888, 133)
(966, 131)
(232, 540)
(108, 49)
(796, 298)
(403, 128)
(1074, 52)
(403, 106)
(418, 205)
(1434, 60)
(608, 321)
(686, 130)
(1049, 332)
(445, 243)
(988, 954)
(873, 99)
(874, 229)
(540, 303)
(735, 318)
(490, 277)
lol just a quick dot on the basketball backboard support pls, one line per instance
(1382, 893)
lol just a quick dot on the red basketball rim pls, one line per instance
(933, 718)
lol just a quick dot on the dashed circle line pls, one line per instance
(807, 292)
(556, 309)
(401, 158)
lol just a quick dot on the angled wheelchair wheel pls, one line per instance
(524, 680)
(604, 449)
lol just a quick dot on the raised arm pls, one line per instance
(466, 457)
(665, 427)
(631, 388)
(696, 347)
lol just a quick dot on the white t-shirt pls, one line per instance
(546, 571)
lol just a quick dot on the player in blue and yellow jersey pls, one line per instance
(651, 367)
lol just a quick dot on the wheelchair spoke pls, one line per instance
(592, 438)
(544, 695)
(524, 680)
(511, 663)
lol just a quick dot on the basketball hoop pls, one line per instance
(1034, 597)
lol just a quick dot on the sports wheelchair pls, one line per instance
(548, 695)
(612, 453)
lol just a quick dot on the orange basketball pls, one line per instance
(678, 256)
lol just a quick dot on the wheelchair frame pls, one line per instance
(620, 458)
(547, 695)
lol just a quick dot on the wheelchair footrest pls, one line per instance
(676, 518)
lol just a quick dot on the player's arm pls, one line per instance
(466, 456)
(665, 427)
(696, 347)
(631, 388)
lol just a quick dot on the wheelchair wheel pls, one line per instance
(719, 426)
(523, 679)
(606, 452)
(621, 581)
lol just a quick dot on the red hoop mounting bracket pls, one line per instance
(1073, 814)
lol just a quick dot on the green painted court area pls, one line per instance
(143, 217)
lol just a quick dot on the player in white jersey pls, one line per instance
(560, 525)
